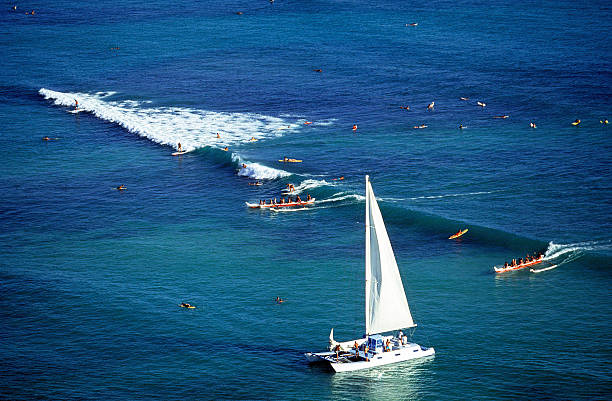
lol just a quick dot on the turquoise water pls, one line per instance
(92, 277)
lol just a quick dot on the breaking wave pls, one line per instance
(193, 128)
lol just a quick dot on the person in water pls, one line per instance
(121, 187)
(430, 106)
(226, 148)
(354, 127)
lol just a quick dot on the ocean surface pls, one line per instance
(92, 277)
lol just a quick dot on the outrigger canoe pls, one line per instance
(290, 161)
(459, 234)
(502, 269)
(279, 205)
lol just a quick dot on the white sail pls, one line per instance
(386, 305)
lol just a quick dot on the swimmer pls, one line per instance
(430, 106)
(405, 107)
(338, 179)
(481, 104)
(318, 70)
(461, 126)
(14, 8)
(46, 138)
(504, 116)
(226, 148)
(239, 13)
(354, 127)
(244, 165)
(532, 125)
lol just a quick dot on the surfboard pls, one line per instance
(179, 153)
(459, 234)
(74, 111)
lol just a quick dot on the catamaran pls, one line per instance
(386, 307)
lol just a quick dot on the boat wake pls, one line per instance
(452, 195)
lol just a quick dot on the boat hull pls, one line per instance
(402, 354)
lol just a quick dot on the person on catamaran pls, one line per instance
(308, 197)
(506, 265)
(297, 199)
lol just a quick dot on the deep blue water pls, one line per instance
(92, 277)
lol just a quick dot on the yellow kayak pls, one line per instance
(459, 234)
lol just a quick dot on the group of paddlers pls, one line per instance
(284, 202)
(526, 259)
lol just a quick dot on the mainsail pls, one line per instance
(386, 307)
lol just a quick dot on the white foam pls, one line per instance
(193, 128)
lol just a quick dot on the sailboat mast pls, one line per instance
(367, 255)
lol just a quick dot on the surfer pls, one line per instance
(405, 107)
(180, 147)
(186, 305)
(318, 70)
(279, 300)
(76, 104)
(481, 104)
(226, 148)
(218, 136)
(244, 165)
(412, 24)
(460, 126)
(430, 106)
(503, 116)
(605, 121)
(576, 121)
(121, 187)
(46, 138)
(464, 98)
(305, 123)
(252, 139)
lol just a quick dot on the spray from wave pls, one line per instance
(557, 250)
